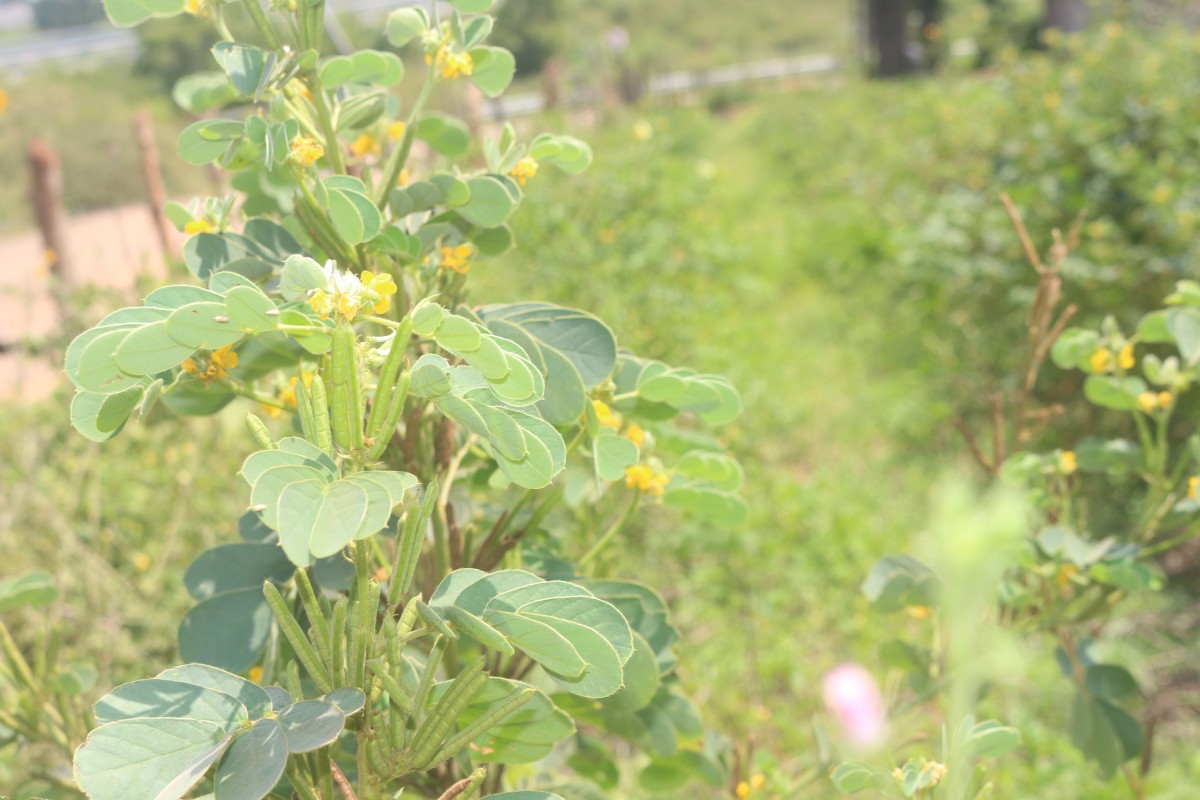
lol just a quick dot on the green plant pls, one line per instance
(410, 599)
(1103, 508)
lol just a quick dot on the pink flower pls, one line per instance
(852, 696)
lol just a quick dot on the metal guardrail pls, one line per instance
(104, 41)
(66, 44)
(669, 83)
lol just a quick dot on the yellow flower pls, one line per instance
(141, 562)
(758, 781)
(1161, 195)
(321, 302)
(457, 258)
(1102, 360)
(1165, 399)
(743, 790)
(274, 412)
(224, 359)
(936, 770)
(365, 144)
(306, 150)
(920, 612)
(345, 294)
(3, 101)
(645, 479)
(189, 366)
(396, 130)
(1067, 462)
(255, 674)
(635, 434)
(382, 285)
(1052, 101)
(643, 130)
(404, 177)
(1193, 487)
(1125, 359)
(348, 305)
(1148, 402)
(195, 8)
(607, 417)
(451, 64)
(1065, 573)
(524, 169)
(300, 88)
(288, 395)
(195, 226)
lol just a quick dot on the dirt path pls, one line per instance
(108, 251)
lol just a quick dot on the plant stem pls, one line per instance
(263, 24)
(320, 226)
(399, 155)
(241, 390)
(342, 782)
(333, 148)
(384, 321)
(608, 535)
(1135, 784)
(300, 784)
(1168, 544)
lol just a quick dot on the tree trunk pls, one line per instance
(1067, 16)
(887, 30)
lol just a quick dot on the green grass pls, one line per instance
(757, 245)
(88, 118)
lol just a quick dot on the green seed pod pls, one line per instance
(295, 636)
(389, 375)
(364, 610)
(391, 417)
(410, 539)
(341, 610)
(396, 693)
(408, 618)
(316, 618)
(378, 760)
(479, 726)
(304, 407)
(320, 410)
(431, 618)
(292, 682)
(466, 685)
(345, 399)
(258, 429)
(431, 667)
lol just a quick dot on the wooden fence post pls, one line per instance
(552, 80)
(46, 196)
(156, 194)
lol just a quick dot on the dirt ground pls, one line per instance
(106, 253)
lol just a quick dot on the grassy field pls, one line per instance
(767, 242)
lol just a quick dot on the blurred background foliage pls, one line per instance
(835, 246)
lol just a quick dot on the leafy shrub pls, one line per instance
(406, 602)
